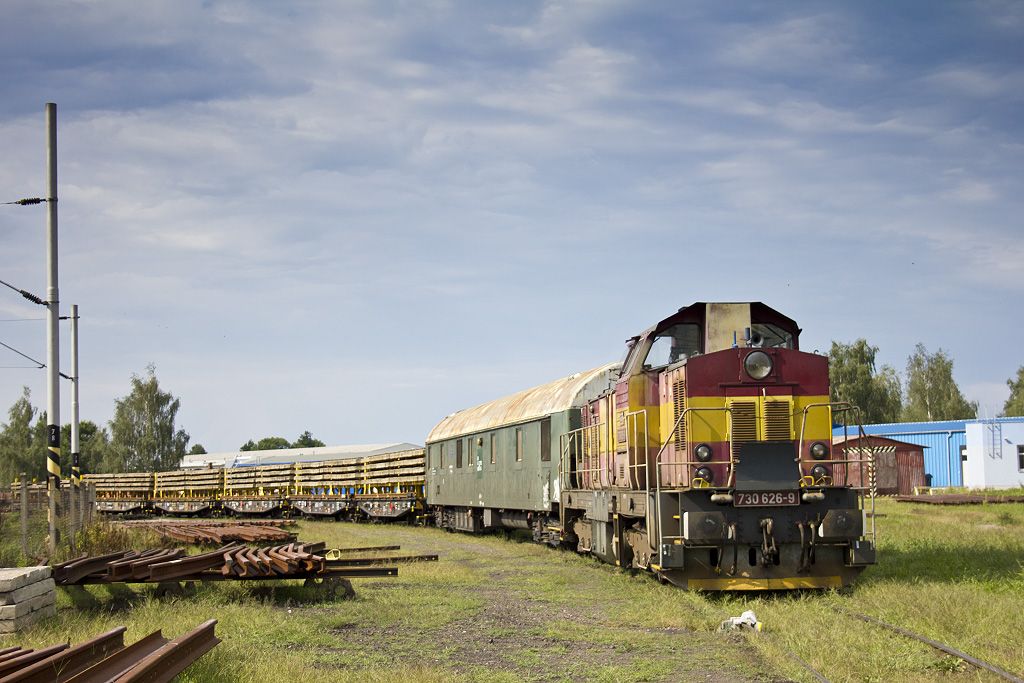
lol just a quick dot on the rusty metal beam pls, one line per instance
(121, 661)
(62, 665)
(170, 660)
(31, 657)
(365, 561)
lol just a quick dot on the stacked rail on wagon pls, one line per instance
(187, 491)
(257, 490)
(123, 493)
(381, 486)
(387, 486)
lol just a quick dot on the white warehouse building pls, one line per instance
(995, 453)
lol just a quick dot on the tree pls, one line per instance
(93, 442)
(17, 442)
(853, 378)
(267, 443)
(143, 436)
(306, 440)
(932, 393)
(270, 443)
(1014, 406)
(197, 449)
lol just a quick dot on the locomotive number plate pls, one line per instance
(766, 498)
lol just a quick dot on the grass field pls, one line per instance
(500, 610)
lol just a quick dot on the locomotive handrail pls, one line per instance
(636, 438)
(657, 463)
(872, 486)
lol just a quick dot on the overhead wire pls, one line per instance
(40, 365)
(28, 295)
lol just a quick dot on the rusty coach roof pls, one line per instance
(569, 392)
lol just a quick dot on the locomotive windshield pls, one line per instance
(771, 336)
(674, 344)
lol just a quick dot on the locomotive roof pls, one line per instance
(569, 392)
(757, 308)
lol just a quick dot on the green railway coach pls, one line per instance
(497, 465)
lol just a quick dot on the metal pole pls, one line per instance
(76, 472)
(52, 331)
(24, 514)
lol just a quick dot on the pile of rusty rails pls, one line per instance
(386, 486)
(214, 532)
(306, 561)
(106, 659)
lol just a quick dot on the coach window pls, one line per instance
(519, 444)
(458, 452)
(545, 439)
(1020, 457)
(440, 450)
(677, 343)
(494, 448)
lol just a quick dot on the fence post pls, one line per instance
(24, 514)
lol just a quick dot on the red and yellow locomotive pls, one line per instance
(709, 460)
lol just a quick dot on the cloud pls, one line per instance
(390, 200)
(972, 82)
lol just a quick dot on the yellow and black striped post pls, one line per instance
(53, 481)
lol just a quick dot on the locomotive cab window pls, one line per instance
(674, 344)
(770, 336)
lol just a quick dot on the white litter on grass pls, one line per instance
(746, 621)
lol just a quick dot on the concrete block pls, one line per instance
(26, 592)
(11, 579)
(26, 606)
(23, 622)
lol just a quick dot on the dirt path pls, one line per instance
(498, 610)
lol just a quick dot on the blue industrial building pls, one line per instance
(946, 450)
(945, 446)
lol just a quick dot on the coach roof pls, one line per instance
(569, 392)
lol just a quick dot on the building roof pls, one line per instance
(929, 427)
(569, 392)
(289, 455)
(839, 440)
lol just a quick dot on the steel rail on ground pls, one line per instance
(974, 661)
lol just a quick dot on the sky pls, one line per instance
(358, 217)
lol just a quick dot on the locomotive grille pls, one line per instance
(744, 422)
(679, 405)
(777, 421)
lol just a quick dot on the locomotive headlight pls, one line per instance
(819, 472)
(702, 452)
(706, 474)
(818, 450)
(758, 364)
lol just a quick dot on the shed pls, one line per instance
(899, 465)
(946, 442)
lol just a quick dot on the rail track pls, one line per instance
(942, 647)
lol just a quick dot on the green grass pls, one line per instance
(501, 610)
(952, 573)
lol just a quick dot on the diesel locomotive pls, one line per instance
(705, 456)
